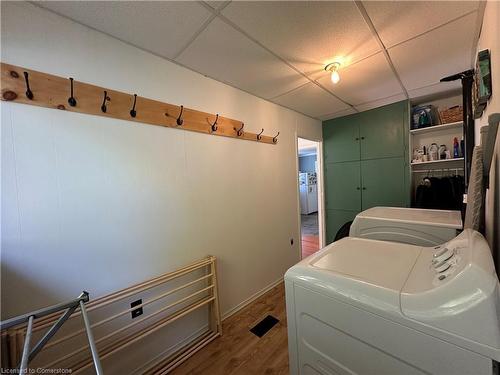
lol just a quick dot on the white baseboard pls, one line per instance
(250, 299)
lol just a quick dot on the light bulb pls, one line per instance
(335, 77)
(333, 69)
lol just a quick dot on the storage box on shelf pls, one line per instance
(452, 114)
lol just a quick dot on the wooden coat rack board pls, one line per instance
(45, 90)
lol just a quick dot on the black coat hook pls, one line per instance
(275, 138)
(106, 98)
(214, 125)
(179, 119)
(29, 93)
(239, 132)
(259, 136)
(133, 113)
(71, 99)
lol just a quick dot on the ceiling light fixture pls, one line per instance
(333, 68)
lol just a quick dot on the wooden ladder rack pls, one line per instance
(199, 292)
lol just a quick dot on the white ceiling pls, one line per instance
(307, 147)
(277, 50)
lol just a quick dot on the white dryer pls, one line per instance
(414, 226)
(371, 307)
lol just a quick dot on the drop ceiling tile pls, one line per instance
(397, 21)
(215, 4)
(380, 102)
(225, 54)
(307, 34)
(423, 61)
(342, 113)
(161, 27)
(365, 81)
(437, 88)
(311, 100)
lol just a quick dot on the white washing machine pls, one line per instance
(407, 225)
(363, 306)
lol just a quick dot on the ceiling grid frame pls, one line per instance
(215, 12)
(431, 29)
(240, 30)
(375, 34)
(34, 3)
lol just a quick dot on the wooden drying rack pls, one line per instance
(27, 86)
(202, 291)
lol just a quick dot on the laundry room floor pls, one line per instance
(310, 234)
(241, 352)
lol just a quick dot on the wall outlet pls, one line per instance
(136, 312)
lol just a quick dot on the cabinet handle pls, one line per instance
(357, 139)
(357, 188)
(362, 137)
(364, 188)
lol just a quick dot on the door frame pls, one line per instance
(320, 188)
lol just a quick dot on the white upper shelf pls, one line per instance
(437, 161)
(435, 128)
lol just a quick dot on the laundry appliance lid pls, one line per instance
(464, 300)
(367, 273)
(437, 218)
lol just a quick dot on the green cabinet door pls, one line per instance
(340, 140)
(383, 183)
(382, 131)
(342, 186)
(334, 220)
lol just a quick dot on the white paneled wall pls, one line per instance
(98, 204)
(490, 39)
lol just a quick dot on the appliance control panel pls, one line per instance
(454, 287)
(447, 259)
(440, 265)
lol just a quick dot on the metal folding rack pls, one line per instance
(69, 307)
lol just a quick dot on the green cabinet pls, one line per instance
(340, 141)
(343, 193)
(382, 134)
(383, 183)
(366, 163)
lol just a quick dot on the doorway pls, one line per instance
(309, 182)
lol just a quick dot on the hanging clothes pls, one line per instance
(442, 193)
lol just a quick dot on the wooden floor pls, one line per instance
(239, 351)
(310, 244)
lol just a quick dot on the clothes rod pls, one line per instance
(438, 170)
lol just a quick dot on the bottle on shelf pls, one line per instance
(456, 152)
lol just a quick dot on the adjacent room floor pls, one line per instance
(310, 234)
(239, 351)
